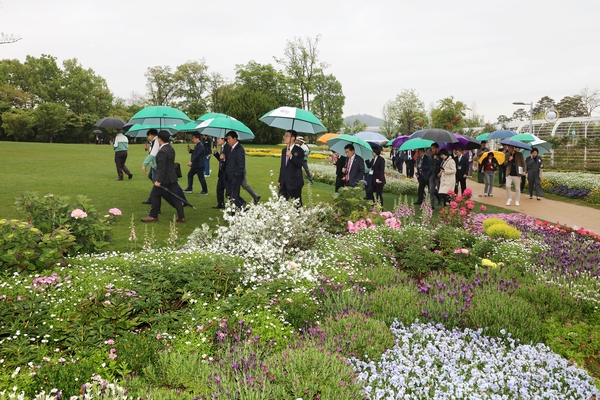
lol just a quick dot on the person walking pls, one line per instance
(354, 171)
(502, 167)
(121, 145)
(377, 172)
(488, 168)
(447, 176)
(534, 171)
(221, 181)
(462, 169)
(306, 150)
(515, 168)
(290, 180)
(423, 166)
(196, 165)
(480, 151)
(340, 162)
(434, 178)
(150, 159)
(207, 142)
(235, 165)
(165, 177)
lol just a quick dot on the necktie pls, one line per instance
(348, 170)
(286, 157)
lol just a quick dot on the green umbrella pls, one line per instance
(192, 126)
(416, 143)
(218, 127)
(361, 147)
(161, 116)
(293, 118)
(140, 130)
(524, 137)
(210, 115)
(483, 136)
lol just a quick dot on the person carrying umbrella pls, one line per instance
(447, 176)
(290, 180)
(121, 146)
(515, 168)
(424, 166)
(377, 172)
(305, 161)
(534, 171)
(479, 153)
(197, 165)
(165, 177)
(354, 171)
(487, 168)
(235, 166)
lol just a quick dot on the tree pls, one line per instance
(328, 102)
(390, 127)
(17, 123)
(85, 92)
(216, 88)
(266, 79)
(542, 105)
(6, 38)
(14, 96)
(50, 119)
(192, 82)
(408, 111)
(520, 115)
(572, 106)
(503, 120)
(591, 100)
(301, 61)
(161, 85)
(448, 114)
(356, 127)
(42, 79)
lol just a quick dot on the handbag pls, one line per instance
(177, 169)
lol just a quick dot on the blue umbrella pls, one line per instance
(414, 135)
(516, 143)
(501, 134)
(371, 136)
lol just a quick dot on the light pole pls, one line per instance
(520, 103)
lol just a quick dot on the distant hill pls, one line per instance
(365, 119)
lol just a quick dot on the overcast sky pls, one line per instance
(486, 53)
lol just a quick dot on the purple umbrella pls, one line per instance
(464, 142)
(399, 140)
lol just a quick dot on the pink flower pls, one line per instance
(451, 193)
(483, 208)
(470, 206)
(342, 383)
(467, 192)
(453, 204)
(110, 341)
(78, 213)
(112, 356)
(459, 199)
(115, 211)
(463, 212)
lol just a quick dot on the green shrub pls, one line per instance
(593, 197)
(499, 312)
(350, 201)
(492, 221)
(503, 231)
(24, 248)
(354, 334)
(420, 259)
(551, 301)
(47, 213)
(396, 302)
(299, 309)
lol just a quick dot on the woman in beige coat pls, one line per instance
(447, 175)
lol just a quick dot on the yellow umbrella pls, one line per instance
(324, 138)
(498, 155)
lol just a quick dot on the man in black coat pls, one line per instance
(290, 180)
(235, 165)
(196, 165)
(377, 172)
(221, 182)
(424, 166)
(462, 170)
(165, 176)
(355, 167)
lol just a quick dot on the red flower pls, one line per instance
(420, 123)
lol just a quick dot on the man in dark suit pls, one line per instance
(410, 163)
(196, 165)
(290, 180)
(462, 170)
(164, 177)
(235, 165)
(355, 167)
(377, 166)
(221, 182)
(340, 164)
(423, 165)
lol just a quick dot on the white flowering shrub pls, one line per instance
(430, 362)
(573, 180)
(275, 238)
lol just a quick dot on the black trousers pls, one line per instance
(291, 194)
(157, 193)
(120, 158)
(375, 190)
(232, 190)
(196, 171)
(502, 175)
(410, 168)
(221, 187)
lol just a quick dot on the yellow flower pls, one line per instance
(489, 263)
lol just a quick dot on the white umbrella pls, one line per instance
(542, 146)
(371, 136)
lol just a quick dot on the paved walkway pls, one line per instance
(549, 210)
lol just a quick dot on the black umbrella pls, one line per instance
(110, 122)
(437, 135)
(184, 201)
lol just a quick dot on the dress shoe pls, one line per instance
(130, 176)
(188, 191)
(203, 193)
(219, 206)
(148, 212)
(180, 220)
(257, 199)
(118, 179)
(149, 219)
(146, 202)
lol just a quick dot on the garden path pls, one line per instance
(549, 210)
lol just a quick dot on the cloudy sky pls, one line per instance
(486, 53)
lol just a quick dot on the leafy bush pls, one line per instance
(594, 196)
(81, 219)
(25, 248)
(503, 231)
(492, 221)
(395, 302)
(350, 204)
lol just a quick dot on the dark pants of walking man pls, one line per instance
(120, 158)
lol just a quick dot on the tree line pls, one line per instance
(42, 101)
